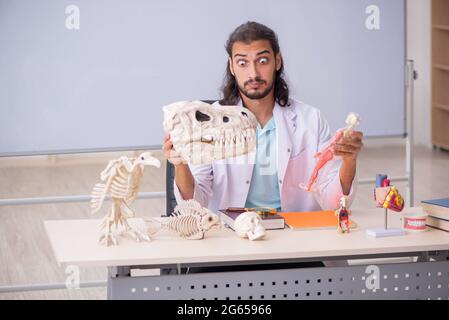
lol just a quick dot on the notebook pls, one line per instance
(438, 202)
(313, 220)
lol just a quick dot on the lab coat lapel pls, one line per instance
(284, 118)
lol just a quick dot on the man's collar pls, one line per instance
(270, 125)
(278, 109)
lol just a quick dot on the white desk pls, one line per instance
(74, 242)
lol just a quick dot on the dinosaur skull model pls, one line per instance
(121, 180)
(202, 133)
(249, 225)
(190, 220)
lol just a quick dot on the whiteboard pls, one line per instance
(102, 86)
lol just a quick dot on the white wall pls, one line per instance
(419, 49)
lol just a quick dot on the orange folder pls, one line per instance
(312, 220)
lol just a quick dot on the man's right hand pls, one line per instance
(170, 153)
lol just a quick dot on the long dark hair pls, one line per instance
(248, 32)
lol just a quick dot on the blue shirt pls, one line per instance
(264, 188)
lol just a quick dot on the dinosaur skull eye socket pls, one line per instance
(225, 119)
(201, 117)
(142, 158)
(209, 219)
(245, 114)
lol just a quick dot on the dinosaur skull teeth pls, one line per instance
(202, 133)
(207, 138)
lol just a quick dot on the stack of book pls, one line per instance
(438, 213)
(270, 221)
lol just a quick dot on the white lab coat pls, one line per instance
(301, 132)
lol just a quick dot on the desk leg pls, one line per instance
(434, 255)
(115, 272)
(108, 290)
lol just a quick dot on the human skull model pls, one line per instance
(202, 133)
(249, 225)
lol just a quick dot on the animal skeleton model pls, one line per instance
(202, 133)
(249, 225)
(327, 154)
(121, 180)
(190, 220)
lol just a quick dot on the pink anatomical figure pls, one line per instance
(327, 154)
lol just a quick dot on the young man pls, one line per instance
(289, 133)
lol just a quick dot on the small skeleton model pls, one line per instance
(190, 220)
(202, 133)
(343, 217)
(121, 179)
(327, 154)
(249, 225)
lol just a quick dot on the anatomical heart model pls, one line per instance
(387, 197)
(202, 133)
(121, 180)
(327, 154)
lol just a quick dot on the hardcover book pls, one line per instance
(438, 208)
(441, 224)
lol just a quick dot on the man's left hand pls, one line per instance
(348, 148)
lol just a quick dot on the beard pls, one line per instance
(256, 95)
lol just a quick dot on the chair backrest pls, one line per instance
(169, 177)
(170, 195)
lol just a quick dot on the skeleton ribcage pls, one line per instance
(125, 186)
(185, 225)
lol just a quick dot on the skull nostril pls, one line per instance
(245, 114)
(225, 119)
(201, 117)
